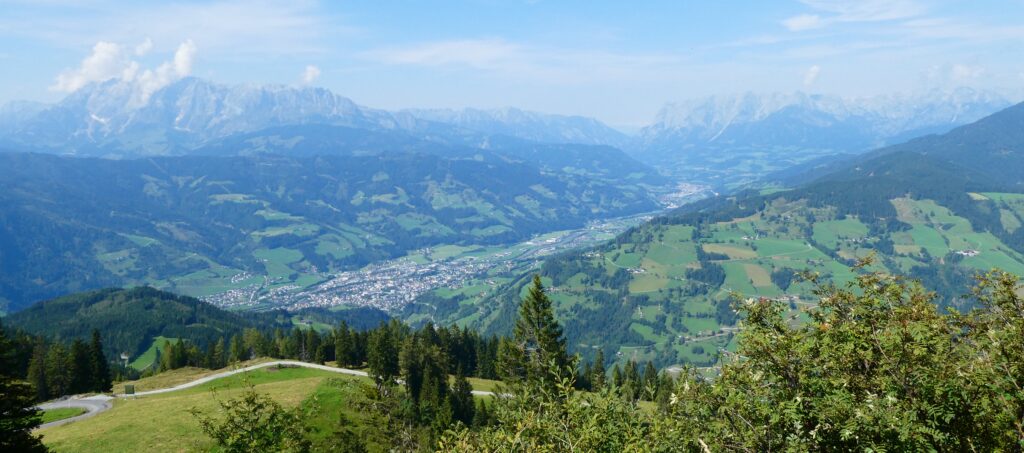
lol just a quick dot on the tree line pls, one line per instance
(55, 368)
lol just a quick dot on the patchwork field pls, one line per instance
(664, 292)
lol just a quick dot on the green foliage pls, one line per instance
(254, 422)
(555, 418)
(18, 416)
(876, 368)
(537, 339)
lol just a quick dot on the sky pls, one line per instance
(618, 61)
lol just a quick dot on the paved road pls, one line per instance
(93, 404)
(100, 403)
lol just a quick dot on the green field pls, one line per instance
(147, 359)
(674, 318)
(53, 415)
(162, 422)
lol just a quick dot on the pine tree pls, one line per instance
(537, 338)
(37, 371)
(382, 357)
(343, 347)
(219, 354)
(81, 367)
(411, 364)
(313, 351)
(58, 370)
(18, 415)
(101, 380)
(651, 381)
(617, 379)
(462, 403)
(237, 349)
(597, 372)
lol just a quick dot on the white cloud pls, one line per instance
(811, 76)
(310, 74)
(803, 22)
(107, 61)
(167, 73)
(144, 47)
(113, 61)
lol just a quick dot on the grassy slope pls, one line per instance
(53, 415)
(147, 358)
(751, 249)
(162, 422)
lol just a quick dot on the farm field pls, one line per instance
(664, 292)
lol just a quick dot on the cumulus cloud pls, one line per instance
(151, 80)
(811, 76)
(310, 74)
(107, 61)
(114, 61)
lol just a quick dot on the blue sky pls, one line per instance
(617, 61)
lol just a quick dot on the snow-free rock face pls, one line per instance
(799, 120)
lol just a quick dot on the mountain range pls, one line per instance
(723, 141)
(733, 140)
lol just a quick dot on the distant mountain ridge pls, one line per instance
(855, 124)
(730, 141)
(538, 127)
(107, 120)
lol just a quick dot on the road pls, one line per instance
(99, 403)
(93, 404)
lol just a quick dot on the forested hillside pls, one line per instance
(131, 319)
(664, 291)
(204, 225)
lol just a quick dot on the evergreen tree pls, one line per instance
(238, 349)
(81, 367)
(314, 353)
(343, 347)
(617, 380)
(462, 403)
(18, 415)
(58, 370)
(37, 371)
(101, 380)
(537, 337)
(382, 357)
(219, 354)
(651, 381)
(597, 372)
(411, 364)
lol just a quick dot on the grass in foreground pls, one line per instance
(53, 415)
(162, 422)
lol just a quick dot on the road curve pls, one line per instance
(99, 403)
(92, 404)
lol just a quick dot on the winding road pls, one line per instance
(99, 403)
